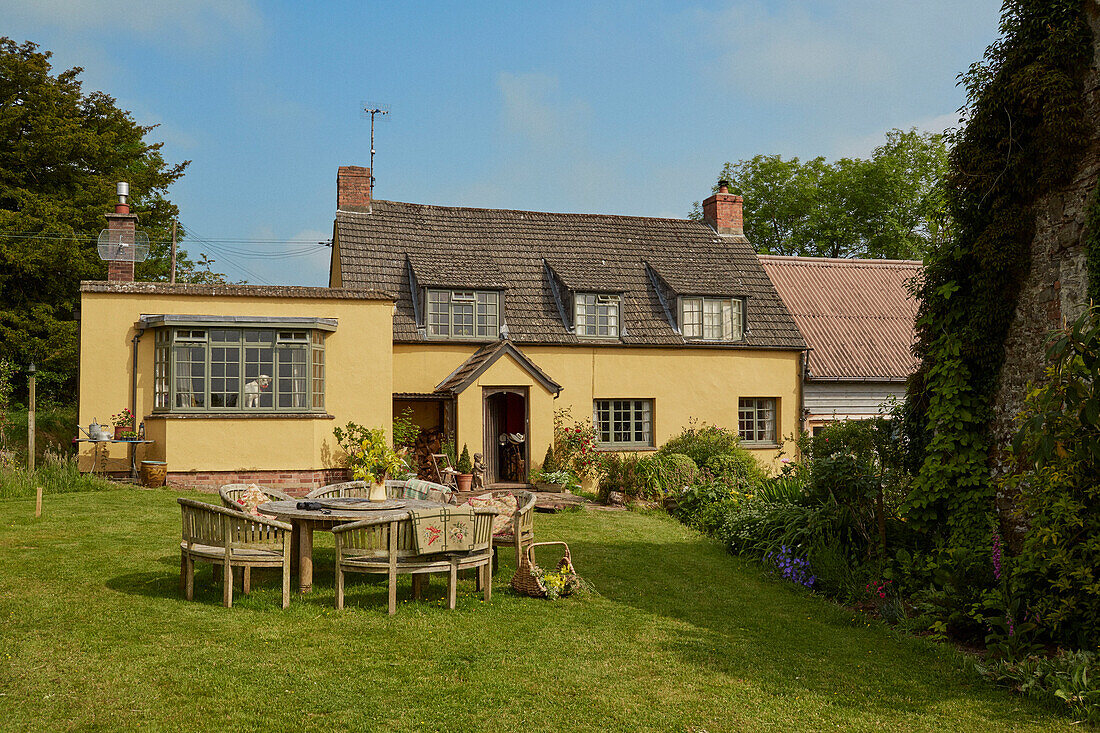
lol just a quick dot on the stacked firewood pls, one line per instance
(428, 442)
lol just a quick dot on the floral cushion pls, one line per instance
(506, 504)
(251, 499)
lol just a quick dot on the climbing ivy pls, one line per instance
(1024, 134)
(1092, 245)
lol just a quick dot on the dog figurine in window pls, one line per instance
(252, 390)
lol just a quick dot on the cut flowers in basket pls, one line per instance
(124, 419)
(558, 583)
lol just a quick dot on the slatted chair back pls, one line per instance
(201, 526)
(345, 490)
(379, 538)
(208, 524)
(231, 492)
(395, 489)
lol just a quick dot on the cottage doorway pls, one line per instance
(506, 440)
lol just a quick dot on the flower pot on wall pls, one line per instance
(464, 481)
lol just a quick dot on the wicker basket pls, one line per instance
(528, 577)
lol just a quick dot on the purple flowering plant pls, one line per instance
(791, 567)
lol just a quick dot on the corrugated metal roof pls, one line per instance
(856, 315)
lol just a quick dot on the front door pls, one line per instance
(506, 439)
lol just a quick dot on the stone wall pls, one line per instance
(1056, 289)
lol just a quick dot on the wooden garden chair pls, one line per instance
(231, 492)
(521, 531)
(388, 547)
(231, 538)
(345, 490)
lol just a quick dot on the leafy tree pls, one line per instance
(61, 152)
(889, 206)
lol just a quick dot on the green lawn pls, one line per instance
(681, 637)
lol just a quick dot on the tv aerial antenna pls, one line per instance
(372, 109)
(123, 245)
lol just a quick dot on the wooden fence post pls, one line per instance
(38, 502)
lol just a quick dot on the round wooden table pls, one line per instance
(304, 521)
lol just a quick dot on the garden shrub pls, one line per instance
(575, 445)
(675, 471)
(703, 442)
(1068, 678)
(738, 469)
(549, 462)
(1057, 479)
(634, 476)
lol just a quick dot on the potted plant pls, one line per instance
(465, 468)
(551, 477)
(123, 422)
(128, 434)
(374, 460)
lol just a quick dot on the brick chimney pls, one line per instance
(353, 189)
(722, 211)
(122, 225)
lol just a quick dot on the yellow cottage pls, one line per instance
(483, 322)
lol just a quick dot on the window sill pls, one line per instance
(760, 446)
(625, 448)
(240, 416)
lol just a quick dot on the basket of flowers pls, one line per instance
(532, 580)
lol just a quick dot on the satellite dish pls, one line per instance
(123, 246)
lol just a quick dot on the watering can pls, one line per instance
(96, 431)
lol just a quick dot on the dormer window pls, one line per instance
(712, 319)
(596, 316)
(472, 314)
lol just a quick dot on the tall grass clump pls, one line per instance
(56, 474)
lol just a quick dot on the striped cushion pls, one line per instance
(418, 489)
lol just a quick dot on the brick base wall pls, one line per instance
(295, 483)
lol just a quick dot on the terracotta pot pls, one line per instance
(465, 481)
(377, 492)
(120, 429)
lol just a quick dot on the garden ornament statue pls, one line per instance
(479, 471)
(252, 390)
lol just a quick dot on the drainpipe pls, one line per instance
(133, 395)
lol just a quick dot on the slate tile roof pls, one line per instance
(486, 356)
(857, 315)
(509, 250)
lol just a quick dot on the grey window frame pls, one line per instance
(484, 325)
(309, 343)
(641, 411)
(737, 319)
(612, 310)
(749, 409)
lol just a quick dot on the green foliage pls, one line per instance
(549, 462)
(1068, 678)
(738, 469)
(368, 454)
(1024, 134)
(465, 465)
(703, 442)
(891, 205)
(635, 476)
(56, 473)
(675, 471)
(405, 431)
(576, 446)
(1057, 477)
(1092, 245)
(62, 152)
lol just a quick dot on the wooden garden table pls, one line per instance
(305, 521)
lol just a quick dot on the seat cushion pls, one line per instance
(505, 503)
(251, 500)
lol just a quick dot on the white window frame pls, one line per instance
(466, 314)
(623, 423)
(597, 316)
(712, 319)
(757, 421)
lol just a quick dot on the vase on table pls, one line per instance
(377, 491)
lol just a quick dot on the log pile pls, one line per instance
(428, 442)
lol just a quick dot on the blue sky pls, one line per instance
(628, 108)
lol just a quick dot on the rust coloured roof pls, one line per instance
(856, 315)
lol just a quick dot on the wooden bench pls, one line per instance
(388, 547)
(231, 538)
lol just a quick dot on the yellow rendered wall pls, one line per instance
(704, 384)
(358, 386)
